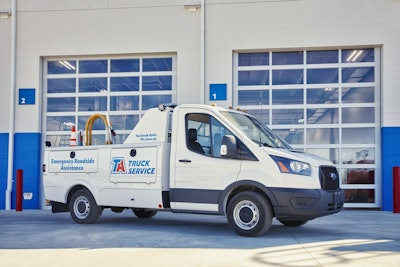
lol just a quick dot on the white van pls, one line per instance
(195, 159)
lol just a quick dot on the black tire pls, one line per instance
(83, 207)
(293, 223)
(144, 213)
(249, 214)
(117, 209)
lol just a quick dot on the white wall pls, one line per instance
(5, 44)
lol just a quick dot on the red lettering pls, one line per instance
(121, 167)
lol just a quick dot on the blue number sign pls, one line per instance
(26, 96)
(218, 91)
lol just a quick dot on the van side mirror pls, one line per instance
(228, 147)
(48, 144)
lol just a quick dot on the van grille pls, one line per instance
(329, 178)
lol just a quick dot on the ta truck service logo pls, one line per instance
(118, 165)
(140, 168)
(132, 167)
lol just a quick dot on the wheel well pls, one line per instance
(73, 190)
(244, 188)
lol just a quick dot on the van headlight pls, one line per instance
(292, 166)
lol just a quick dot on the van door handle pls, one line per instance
(185, 160)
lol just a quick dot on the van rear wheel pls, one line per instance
(144, 213)
(249, 214)
(83, 207)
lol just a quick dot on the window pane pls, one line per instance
(98, 124)
(125, 65)
(358, 176)
(61, 67)
(322, 115)
(287, 116)
(58, 123)
(152, 101)
(61, 104)
(156, 83)
(322, 57)
(359, 196)
(287, 96)
(120, 84)
(157, 64)
(124, 122)
(292, 136)
(58, 140)
(98, 139)
(217, 133)
(66, 85)
(261, 114)
(287, 77)
(331, 154)
(124, 103)
(119, 138)
(317, 76)
(93, 66)
(358, 115)
(358, 55)
(358, 135)
(327, 95)
(358, 155)
(93, 85)
(253, 59)
(322, 136)
(358, 95)
(253, 77)
(96, 103)
(287, 58)
(358, 75)
(253, 97)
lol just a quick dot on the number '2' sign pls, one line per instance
(26, 96)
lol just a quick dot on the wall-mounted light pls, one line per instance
(192, 8)
(5, 14)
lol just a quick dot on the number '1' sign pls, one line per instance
(218, 91)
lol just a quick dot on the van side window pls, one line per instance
(204, 134)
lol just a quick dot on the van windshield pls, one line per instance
(255, 130)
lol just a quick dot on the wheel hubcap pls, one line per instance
(81, 207)
(246, 215)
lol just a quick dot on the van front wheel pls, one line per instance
(249, 214)
(83, 207)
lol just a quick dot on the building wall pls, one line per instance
(53, 28)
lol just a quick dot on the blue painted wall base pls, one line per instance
(27, 158)
(390, 159)
(3, 168)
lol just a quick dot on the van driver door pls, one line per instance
(200, 173)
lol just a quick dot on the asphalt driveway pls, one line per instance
(349, 238)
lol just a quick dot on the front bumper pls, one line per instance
(306, 204)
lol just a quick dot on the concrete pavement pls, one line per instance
(349, 238)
